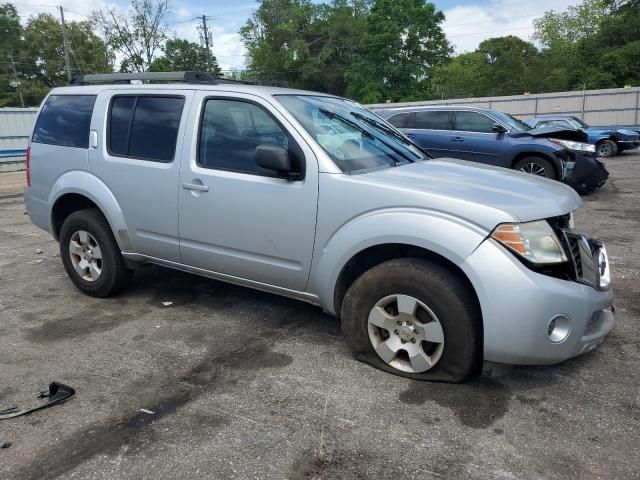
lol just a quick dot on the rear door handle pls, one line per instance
(457, 139)
(195, 186)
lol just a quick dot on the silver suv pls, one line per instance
(432, 265)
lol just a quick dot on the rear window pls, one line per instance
(401, 120)
(65, 121)
(432, 120)
(144, 127)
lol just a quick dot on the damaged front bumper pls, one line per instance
(588, 174)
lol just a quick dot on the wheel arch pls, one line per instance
(554, 161)
(368, 258)
(80, 190)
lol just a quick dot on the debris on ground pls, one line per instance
(167, 304)
(57, 393)
(149, 412)
(38, 251)
(5, 445)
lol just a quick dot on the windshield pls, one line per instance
(512, 122)
(577, 123)
(355, 139)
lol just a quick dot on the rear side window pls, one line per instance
(65, 121)
(473, 122)
(144, 127)
(401, 120)
(432, 120)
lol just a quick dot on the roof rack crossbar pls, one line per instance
(186, 77)
(191, 77)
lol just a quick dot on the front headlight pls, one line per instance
(575, 146)
(533, 241)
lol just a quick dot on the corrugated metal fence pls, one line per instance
(615, 106)
(15, 128)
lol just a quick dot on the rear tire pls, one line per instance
(441, 341)
(91, 256)
(537, 166)
(606, 148)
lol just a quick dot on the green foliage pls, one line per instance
(183, 55)
(37, 49)
(401, 45)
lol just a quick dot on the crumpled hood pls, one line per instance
(554, 132)
(482, 194)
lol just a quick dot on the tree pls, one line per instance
(138, 36)
(183, 55)
(402, 43)
(38, 52)
(10, 31)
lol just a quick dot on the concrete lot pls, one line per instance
(244, 384)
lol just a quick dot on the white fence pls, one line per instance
(15, 128)
(615, 106)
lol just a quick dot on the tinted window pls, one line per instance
(472, 122)
(401, 120)
(145, 127)
(436, 120)
(555, 123)
(230, 132)
(65, 120)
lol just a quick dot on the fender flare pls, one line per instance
(88, 185)
(449, 237)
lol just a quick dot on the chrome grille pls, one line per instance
(574, 249)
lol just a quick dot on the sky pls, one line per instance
(468, 22)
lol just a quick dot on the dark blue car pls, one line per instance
(495, 138)
(609, 141)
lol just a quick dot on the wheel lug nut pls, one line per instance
(413, 340)
(399, 322)
(409, 323)
(403, 341)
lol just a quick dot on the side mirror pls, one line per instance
(498, 128)
(273, 157)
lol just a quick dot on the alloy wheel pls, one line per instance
(534, 169)
(86, 255)
(405, 333)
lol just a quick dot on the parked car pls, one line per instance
(432, 265)
(609, 141)
(495, 138)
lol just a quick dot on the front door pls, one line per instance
(237, 218)
(473, 138)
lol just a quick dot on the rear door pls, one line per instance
(473, 138)
(135, 156)
(431, 130)
(237, 218)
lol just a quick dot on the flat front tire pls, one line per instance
(414, 318)
(91, 256)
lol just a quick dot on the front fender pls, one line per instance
(90, 186)
(447, 236)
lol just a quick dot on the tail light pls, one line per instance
(28, 166)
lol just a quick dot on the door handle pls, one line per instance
(195, 186)
(410, 135)
(457, 139)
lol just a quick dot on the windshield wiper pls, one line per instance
(390, 131)
(365, 132)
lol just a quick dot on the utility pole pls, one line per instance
(16, 81)
(205, 34)
(66, 44)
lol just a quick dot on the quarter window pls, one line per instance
(472, 122)
(145, 127)
(432, 120)
(230, 132)
(65, 121)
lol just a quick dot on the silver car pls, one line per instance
(432, 265)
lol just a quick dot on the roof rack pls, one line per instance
(192, 77)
